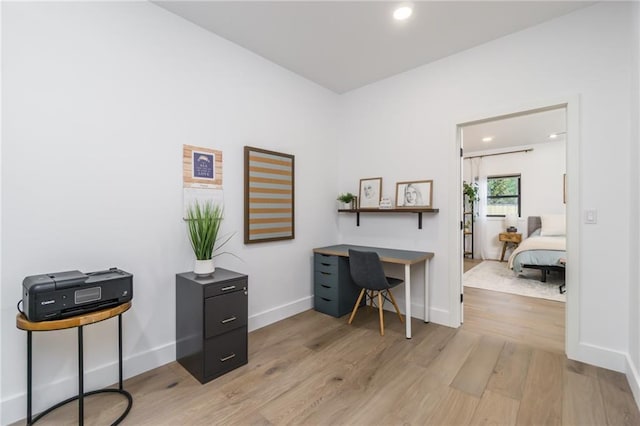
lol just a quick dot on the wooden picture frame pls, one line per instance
(370, 193)
(268, 196)
(417, 194)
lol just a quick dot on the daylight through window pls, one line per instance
(503, 195)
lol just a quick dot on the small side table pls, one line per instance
(78, 321)
(509, 238)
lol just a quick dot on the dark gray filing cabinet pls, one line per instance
(211, 323)
(334, 290)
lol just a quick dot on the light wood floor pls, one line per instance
(315, 369)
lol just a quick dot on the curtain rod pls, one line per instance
(498, 153)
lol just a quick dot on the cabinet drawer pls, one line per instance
(224, 313)
(327, 278)
(225, 352)
(325, 259)
(225, 288)
(326, 305)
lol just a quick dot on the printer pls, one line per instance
(65, 294)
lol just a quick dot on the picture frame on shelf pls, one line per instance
(370, 193)
(414, 194)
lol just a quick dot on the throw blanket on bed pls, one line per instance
(539, 243)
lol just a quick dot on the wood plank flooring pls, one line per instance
(313, 369)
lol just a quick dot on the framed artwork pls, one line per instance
(370, 193)
(268, 196)
(201, 167)
(414, 194)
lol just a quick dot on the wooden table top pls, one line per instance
(77, 321)
(404, 257)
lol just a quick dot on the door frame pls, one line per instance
(572, 311)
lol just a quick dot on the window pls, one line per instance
(503, 195)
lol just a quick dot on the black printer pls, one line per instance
(65, 294)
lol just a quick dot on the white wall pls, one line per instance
(633, 367)
(540, 172)
(98, 100)
(403, 128)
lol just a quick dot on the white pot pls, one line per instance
(204, 267)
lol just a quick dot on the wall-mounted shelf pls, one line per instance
(403, 210)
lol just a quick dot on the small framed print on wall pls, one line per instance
(268, 196)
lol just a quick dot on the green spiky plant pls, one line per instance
(203, 221)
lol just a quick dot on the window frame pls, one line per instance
(519, 196)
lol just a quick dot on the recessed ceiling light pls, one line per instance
(553, 135)
(402, 13)
(487, 139)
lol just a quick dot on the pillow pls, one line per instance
(553, 224)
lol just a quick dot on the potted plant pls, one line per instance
(348, 199)
(203, 223)
(471, 191)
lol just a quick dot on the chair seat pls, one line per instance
(394, 282)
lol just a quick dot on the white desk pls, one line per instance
(403, 257)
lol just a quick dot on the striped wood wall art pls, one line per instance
(268, 196)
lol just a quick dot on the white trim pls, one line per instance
(633, 378)
(572, 106)
(601, 357)
(264, 318)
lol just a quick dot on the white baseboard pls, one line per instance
(436, 315)
(600, 357)
(14, 408)
(634, 380)
(264, 318)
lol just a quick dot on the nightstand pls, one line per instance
(509, 238)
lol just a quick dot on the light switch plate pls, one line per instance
(591, 216)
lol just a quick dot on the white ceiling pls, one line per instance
(343, 45)
(529, 129)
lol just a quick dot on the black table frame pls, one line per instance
(81, 393)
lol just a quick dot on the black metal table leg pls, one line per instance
(29, 366)
(80, 379)
(120, 349)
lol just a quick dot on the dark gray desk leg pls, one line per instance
(80, 379)
(29, 366)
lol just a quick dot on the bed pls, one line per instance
(545, 248)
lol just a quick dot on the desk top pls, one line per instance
(77, 321)
(404, 257)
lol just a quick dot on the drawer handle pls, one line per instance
(231, 287)
(224, 321)
(227, 358)
(325, 286)
(325, 299)
(325, 264)
(325, 273)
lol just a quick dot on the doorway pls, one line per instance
(504, 153)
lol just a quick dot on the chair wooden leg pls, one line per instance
(395, 305)
(371, 299)
(381, 314)
(355, 308)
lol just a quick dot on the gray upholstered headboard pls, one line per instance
(533, 223)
